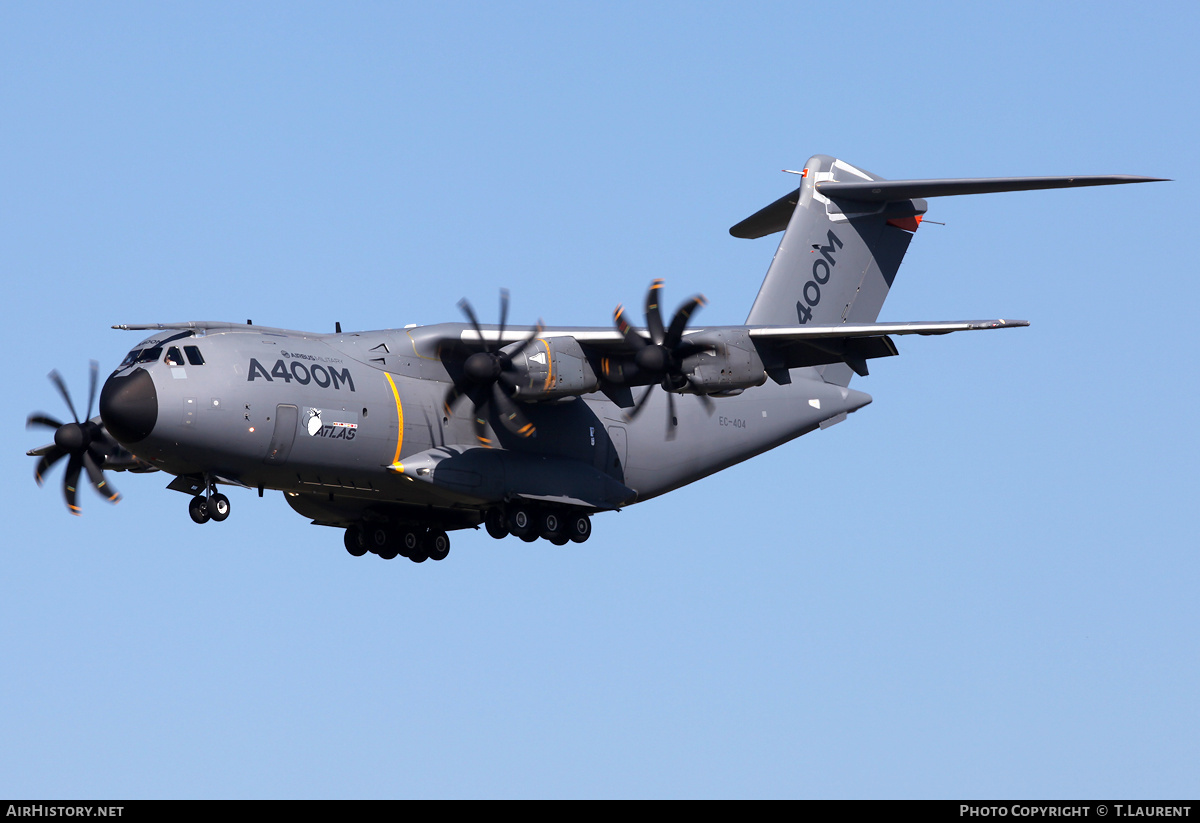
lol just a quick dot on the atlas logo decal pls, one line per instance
(315, 425)
(821, 269)
(303, 374)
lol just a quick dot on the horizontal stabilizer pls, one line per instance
(847, 330)
(768, 219)
(882, 191)
(790, 347)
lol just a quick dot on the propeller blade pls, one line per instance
(48, 459)
(654, 321)
(94, 372)
(663, 357)
(489, 378)
(103, 441)
(71, 481)
(57, 380)
(41, 419)
(510, 414)
(679, 321)
(509, 382)
(85, 442)
(98, 452)
(481, 429)
(503, 311)
(465, 305)
(632, 338)
(96, 476)
(476, 394)
(639, 405)
(452, 396)
(506, 359)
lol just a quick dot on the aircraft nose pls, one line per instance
(129, 406)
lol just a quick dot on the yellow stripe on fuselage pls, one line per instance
(549, 366)
(399, 418)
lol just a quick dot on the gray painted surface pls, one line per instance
(392, 426)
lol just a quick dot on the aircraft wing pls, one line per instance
(780, 347)
(785, 333)
(601, 337)
(790, 347)
(606, 338)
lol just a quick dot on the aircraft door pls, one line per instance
(286, 419)
(617, 435)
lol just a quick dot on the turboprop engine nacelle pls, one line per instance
(553, 367)
(732, 363)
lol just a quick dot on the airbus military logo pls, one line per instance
(324, 376)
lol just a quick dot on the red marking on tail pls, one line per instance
(906, 223)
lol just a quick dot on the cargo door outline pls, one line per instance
(617, 436)
(287, 417)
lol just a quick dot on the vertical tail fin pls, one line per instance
(837, 259)
(845, 232)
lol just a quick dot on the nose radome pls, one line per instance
(129, 406)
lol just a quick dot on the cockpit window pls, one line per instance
(149, 355)
(174, 357)
(193, 355)
(130, 359)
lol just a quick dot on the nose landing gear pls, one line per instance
(211, 505)
(198, 509)
(218, 507)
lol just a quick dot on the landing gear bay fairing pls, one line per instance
(401, 436)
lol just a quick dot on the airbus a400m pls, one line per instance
(403, 435)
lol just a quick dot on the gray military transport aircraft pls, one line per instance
(401, 435)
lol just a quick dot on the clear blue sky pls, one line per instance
(984, 584)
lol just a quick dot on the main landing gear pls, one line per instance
(529, 523)
(211, 505)
(416, 543)
(421, 543)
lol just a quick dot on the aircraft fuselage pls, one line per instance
(339, 415)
